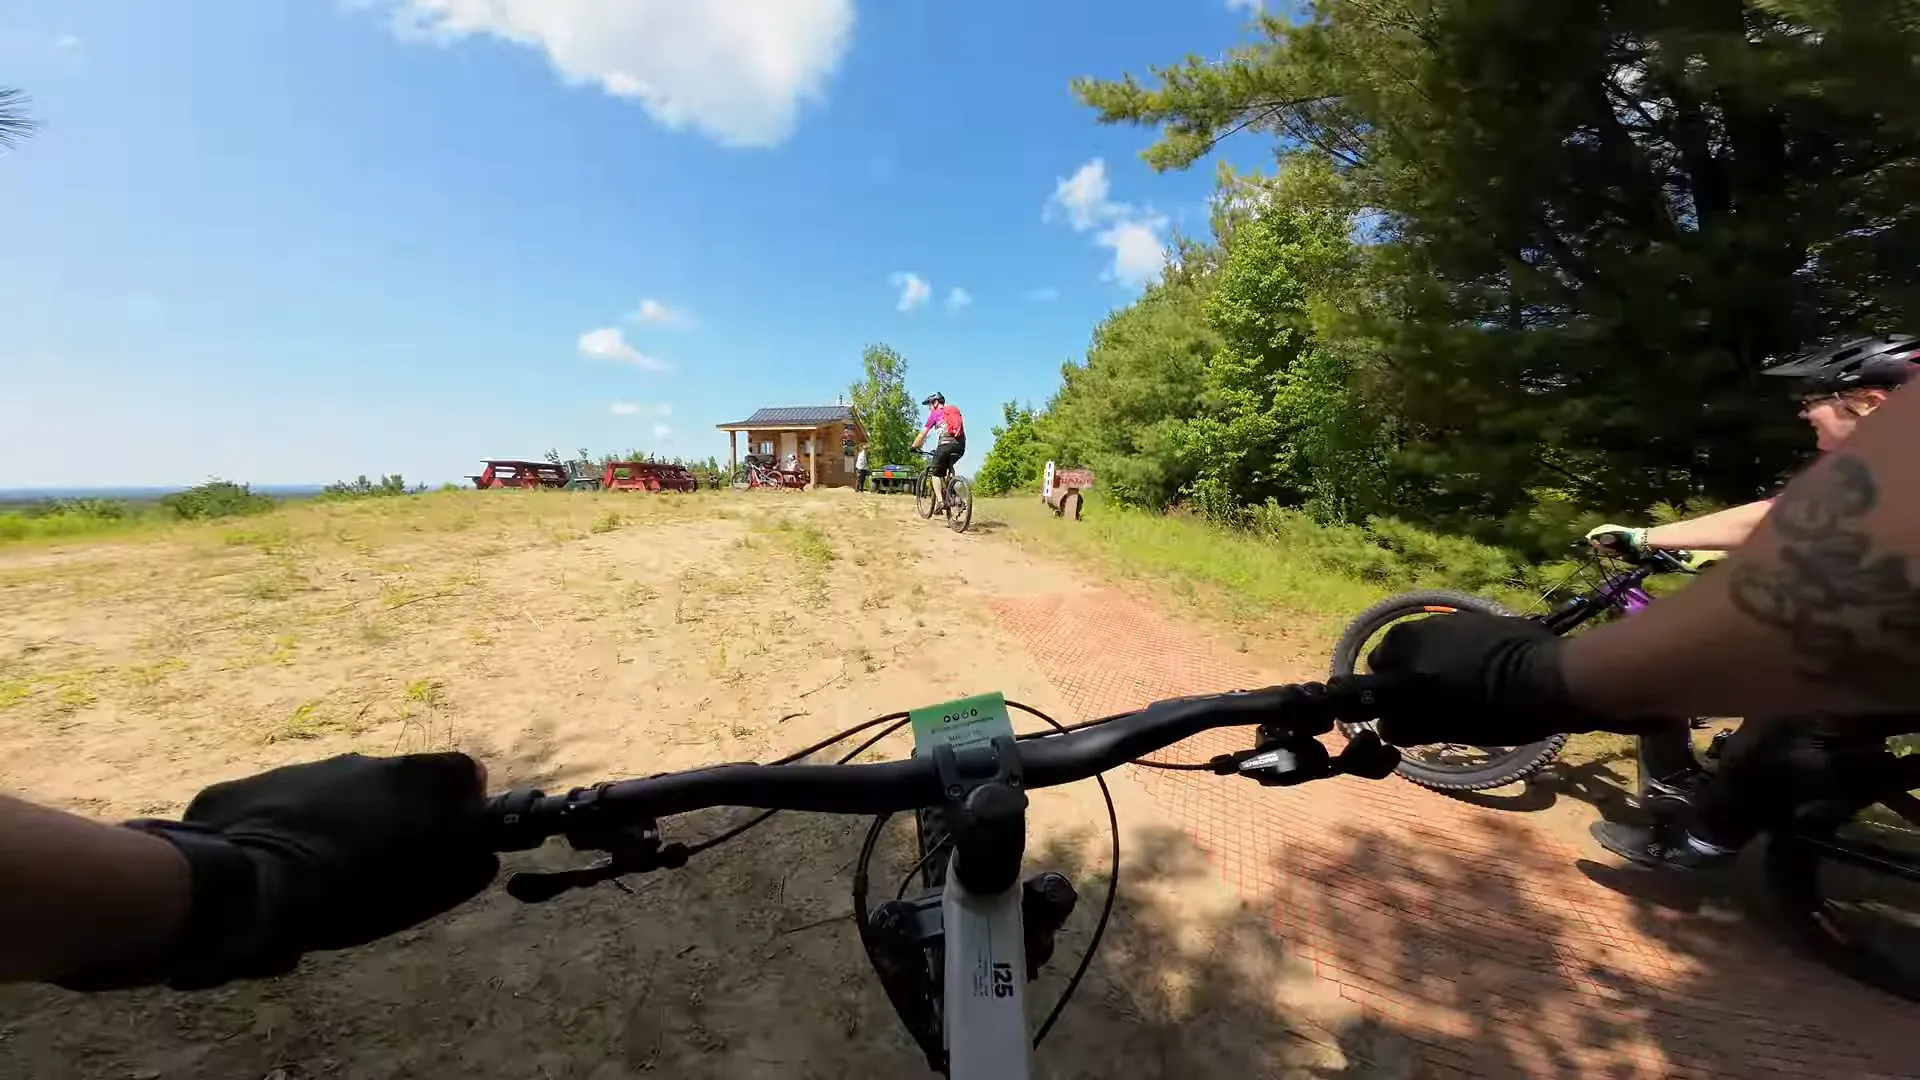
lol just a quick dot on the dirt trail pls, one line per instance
(563, 645)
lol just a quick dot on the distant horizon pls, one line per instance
(124, 490)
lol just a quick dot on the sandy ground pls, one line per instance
(564, 639)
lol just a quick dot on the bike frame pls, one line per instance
(983, 1014)
(1623, 593)
(945, 482)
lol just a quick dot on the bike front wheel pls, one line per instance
(1446, 766)
(960, 504)
(923, 496)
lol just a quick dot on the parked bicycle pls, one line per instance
(1835, 874)
(954, 960)
(763, 474)
(957, 496)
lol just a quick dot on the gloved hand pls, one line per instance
(1477, 680)
(324, 855)
(1618, 540)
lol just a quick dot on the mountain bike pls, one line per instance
(957, 494)
(762, 475)
(955, 959)
(1867, 842)
(1455, 767)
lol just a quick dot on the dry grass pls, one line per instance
(563, 639)
(560, 637)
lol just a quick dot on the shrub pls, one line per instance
(100, 509)
(215, 499)
(363, 488)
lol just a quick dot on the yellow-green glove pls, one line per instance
(1619, 540)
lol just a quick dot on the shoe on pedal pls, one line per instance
(1664, 849)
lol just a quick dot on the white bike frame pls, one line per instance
(983, 1016)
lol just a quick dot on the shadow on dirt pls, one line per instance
(1510, 965)
(1377, 956)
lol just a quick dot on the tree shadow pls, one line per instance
(1477, 946)
(1421, 952)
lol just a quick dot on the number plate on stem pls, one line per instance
(972, 721)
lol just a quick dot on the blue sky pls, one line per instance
(296, 241)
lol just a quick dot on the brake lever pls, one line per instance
(633, 850)
(1295, 760)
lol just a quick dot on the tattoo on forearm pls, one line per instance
(1851, 613)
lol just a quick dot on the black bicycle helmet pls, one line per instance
(935, 399)
(1880, 363)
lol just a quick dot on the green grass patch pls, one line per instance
(60, 519)
(1281, 565)
(806, 543)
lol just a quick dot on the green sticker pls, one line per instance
(967, 722)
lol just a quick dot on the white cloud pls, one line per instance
(958, 298)
(68, 43)
(659, 314)
(1044, 294)
(608, 343)
(634, 408)
(914, 290)
(738, 70)
(662, 431)
(1135, 236)
(1251, 7)
(1082, 197)
(1139, 253)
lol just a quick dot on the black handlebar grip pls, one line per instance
(509, 822)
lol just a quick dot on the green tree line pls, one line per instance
(1518, 264)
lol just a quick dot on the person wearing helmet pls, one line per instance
(1838, 386)
(1772, 763)
(950, 447)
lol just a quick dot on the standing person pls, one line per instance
(860, 469)
(952, 444)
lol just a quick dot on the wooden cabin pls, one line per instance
(817, 435)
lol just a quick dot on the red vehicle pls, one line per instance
(520, 474)
(646, 476)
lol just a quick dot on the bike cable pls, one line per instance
(899, 719)
(894, 722)
(1113, 888)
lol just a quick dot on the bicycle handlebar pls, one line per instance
(1655, 560)
(524, 818)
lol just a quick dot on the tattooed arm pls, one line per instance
(1818, 612)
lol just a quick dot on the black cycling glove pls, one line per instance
(324, 855)
(1477, 680)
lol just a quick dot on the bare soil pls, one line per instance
(562, 639)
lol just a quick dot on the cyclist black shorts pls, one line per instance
(947, 454)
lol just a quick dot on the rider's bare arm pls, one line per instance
(1818, 612)
(1718, 531)
(76, 893)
